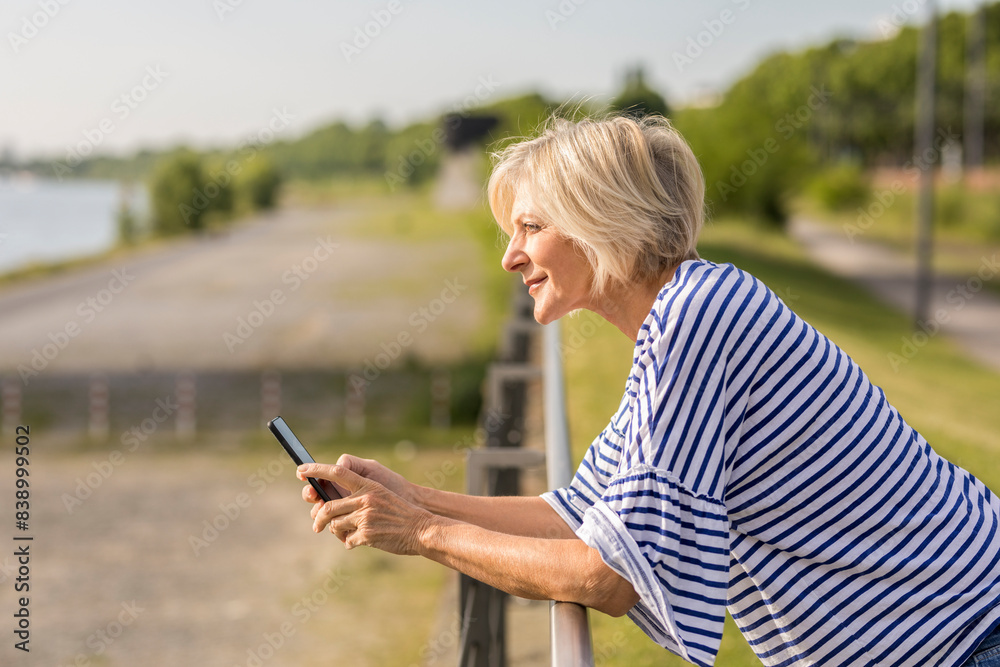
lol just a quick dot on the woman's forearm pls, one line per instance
(529, 567)
(539, 566)
(528, 516)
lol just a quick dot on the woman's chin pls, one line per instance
(544, 315)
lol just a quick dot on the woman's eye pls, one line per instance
(531, 227)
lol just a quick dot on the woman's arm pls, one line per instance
(529, 516)
(531, 567)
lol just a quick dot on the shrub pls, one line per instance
(185, 195)
(258, 184)
(843, 187)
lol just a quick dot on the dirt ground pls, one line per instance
(208, 559)
(118, 577)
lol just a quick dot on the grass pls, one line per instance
(939, 391)
(303, 192)
(966, 225)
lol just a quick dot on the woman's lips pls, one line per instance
(533, 286)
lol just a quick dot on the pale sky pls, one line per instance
(120, 74)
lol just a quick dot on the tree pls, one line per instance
(638, 98)
(174, 187)
(258, 184)
(183, 193)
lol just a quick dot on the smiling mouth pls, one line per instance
(533, 285)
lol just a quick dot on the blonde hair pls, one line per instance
(629, 191)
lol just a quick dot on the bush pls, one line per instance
(183, 194)
(843, 187)
(258, 184)
(950, 205)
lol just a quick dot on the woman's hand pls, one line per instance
(373, 515)
(375, 471)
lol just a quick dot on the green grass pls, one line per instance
(966, 225)
(939, 391)
(302, 192)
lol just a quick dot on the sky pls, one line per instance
(112, 76)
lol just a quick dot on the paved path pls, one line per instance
(294, 289)
(962, 309)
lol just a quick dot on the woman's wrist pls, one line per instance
(430, 536)
(419, 496)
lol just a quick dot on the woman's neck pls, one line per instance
(626, 306)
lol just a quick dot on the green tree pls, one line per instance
(258, 184)
(638, 98)
(753, 147)
(185, 195)
(174, 190)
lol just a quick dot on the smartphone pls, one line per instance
(295, 449)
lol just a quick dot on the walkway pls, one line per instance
(960, 306)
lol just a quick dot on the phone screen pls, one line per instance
(295, 449)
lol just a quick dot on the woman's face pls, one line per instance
(557, 273)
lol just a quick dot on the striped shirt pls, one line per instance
(753, 465)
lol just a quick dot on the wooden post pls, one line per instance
(354, 405)
(11, 404)
(270, 395)
(186, 395)
(99, 403)
(440, 399)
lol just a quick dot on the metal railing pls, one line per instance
(570, 626)
(495, 470)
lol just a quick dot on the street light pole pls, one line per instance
(975, 89)
(926, 157)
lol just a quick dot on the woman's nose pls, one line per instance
(514, 258)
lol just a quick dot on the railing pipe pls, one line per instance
(571, 642)
(559, 465)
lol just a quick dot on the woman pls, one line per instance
(751, 464)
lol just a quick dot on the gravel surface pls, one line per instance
(119, 581)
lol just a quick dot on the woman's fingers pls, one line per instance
(342, 476)
(323, 513)
(371, 514)
(309, 494)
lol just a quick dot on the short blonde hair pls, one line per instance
(629, 191)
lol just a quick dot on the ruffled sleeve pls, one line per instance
(658, 518)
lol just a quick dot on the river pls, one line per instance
(43, 221)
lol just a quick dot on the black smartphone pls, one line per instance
(295, 449)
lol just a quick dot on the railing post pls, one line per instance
(570, 626)
(497, 471)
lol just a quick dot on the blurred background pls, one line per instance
(216, 211)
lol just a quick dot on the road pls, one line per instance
(293, 289)
(960, 308)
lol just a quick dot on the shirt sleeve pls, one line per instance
(673, 546)
(661, 521)
(595, 472)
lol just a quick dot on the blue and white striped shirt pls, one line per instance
(752, 464)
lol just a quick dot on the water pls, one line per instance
(45, 221)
